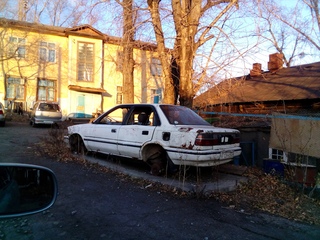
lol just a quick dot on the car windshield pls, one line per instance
(49, 107)
(179, 115)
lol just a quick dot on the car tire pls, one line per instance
(160, 164)
(33, 124)
(77, 145)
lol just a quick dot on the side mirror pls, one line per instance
(26, 189)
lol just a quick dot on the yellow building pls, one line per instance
(80, 68)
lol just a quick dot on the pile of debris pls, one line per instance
(271, 194)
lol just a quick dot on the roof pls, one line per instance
(294, 83)
(84, 30)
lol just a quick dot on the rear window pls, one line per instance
(49, 107)
(179, 115)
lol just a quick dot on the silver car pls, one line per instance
(44, 112)
(2, 115)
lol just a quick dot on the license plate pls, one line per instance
(226, 154)
(47, 122)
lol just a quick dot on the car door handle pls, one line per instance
(145, 132)
(113, 130)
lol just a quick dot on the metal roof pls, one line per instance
(294, 83)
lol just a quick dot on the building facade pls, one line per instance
(80, 68)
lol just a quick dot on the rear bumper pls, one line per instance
(202, 158)
(46, 121)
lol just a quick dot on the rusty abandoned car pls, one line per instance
(161, 135)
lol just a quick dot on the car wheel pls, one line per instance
(77, 145)
(32, 124)
(160, 163)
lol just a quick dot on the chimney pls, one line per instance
(256, 70)
(275, 61)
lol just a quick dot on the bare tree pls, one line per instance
(156, 20)
(190, 36)
(127, 44)
(293, 30)
(56, 13)
(274, 32)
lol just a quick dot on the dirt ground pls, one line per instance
(95, 203)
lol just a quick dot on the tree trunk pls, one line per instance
(163, 53)
(186, 16)
(128, 62)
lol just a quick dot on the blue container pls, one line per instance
(236, 160)
(274, 167)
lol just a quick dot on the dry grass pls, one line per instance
(271, 194)
(53, 145)
(262, 191)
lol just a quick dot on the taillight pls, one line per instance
(211, 139)
(1, 112)
(206, 139)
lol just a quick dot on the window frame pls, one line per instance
(119, 98)
(87, 76)
(45, 47)
(16, 87)
(277, 154)
(17, 49)
(47, 89)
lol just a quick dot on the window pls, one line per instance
(46, 90)
(156, 67)
(156, 95)
(47, 52)
(15, 88)
(153, 95)
(119, 94)
(179, 115)
(17, 47)
(278, 155)
(85, 62)
(116, 117)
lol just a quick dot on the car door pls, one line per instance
(102, 135)
(134, 134)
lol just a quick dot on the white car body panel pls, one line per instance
(129, 138)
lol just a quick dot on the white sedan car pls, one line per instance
(163, 136)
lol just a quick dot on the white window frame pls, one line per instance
(85, 64)
(278, 155)
(119, 96)
(46, 89)
(15, 88)
(17, 47)
(47, 52)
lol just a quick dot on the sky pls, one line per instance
(106, 18)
